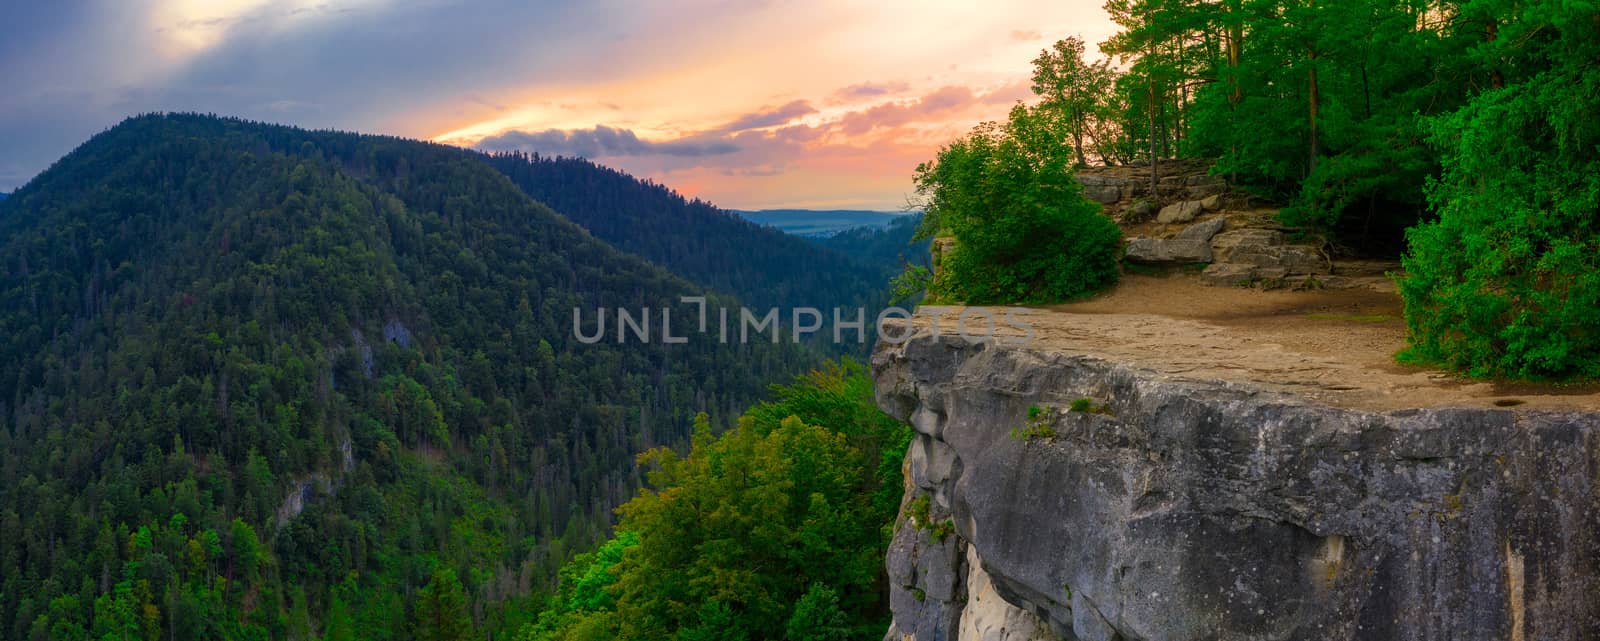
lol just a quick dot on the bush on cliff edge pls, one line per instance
(1507, 281)
(1024, 231)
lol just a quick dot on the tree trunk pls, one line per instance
(1150, 88)
(1077, 137)
(1313, 77)
(1235, 44)
(1492, 33)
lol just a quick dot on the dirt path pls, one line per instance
(1331, 346)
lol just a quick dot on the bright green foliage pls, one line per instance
(1366, 114)
(583, 605)
(777, 524)
(817, 617)
(1078, 94)
(1314, 102)
(1507, 281)
(441, 613)
(1024, 231)
(338, 624)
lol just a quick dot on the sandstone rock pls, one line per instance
(1181, 212)
(1292, 259)
(1272, 276)
(1173, 251)
(989, 617)
(1224, 244)
(1227, 274)
(1203, 191)
(1212, 202)
(1203, 231)
(1303, 259)
(1212, 510)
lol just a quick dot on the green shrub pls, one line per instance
(1024, 231)
(1507, 281)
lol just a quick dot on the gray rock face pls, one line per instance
(926, 584)
(1293, 259)
(1212, 510)
(1203, 231)
(989, 617)
(1228, 274)
(1224, 245)
(1104, 189)
(1170, 251)
(1180, 212)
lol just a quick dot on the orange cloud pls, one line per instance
(833, 103)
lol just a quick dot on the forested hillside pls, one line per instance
(888, 249)
(259, 382)
(762, 266)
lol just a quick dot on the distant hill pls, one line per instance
(819, 222)
(257, 381)
(762, 266)
(887, 248)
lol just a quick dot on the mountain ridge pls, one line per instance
(256, 378)
(763, 267)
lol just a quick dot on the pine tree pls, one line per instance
(441, 613)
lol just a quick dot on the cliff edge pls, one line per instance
(1245, 470)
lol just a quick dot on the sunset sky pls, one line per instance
(753, 104)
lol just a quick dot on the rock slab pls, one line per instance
(1156, 251)
(1192, 509)
(1180, 212)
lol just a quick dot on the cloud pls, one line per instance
(604, 141)
(1026, 35)
(767, 118)
(602, 78)
(945, 99)
(868, 90)
(881, 143)
(600, 142)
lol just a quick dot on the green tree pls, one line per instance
(441, 612)
(735, 535)
(1024, 231)
(817, 617)
(338, 624)
(1078, 92)
(1507, 281)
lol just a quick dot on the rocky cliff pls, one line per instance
(1062, 495)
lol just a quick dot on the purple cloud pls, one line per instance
(601, 142)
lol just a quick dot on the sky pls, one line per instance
(749, 104)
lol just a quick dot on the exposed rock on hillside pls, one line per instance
(1252, 252)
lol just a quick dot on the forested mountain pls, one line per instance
(888, 249)
(260, 382)
(762, 266)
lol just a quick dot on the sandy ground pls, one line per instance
(1330, 346)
